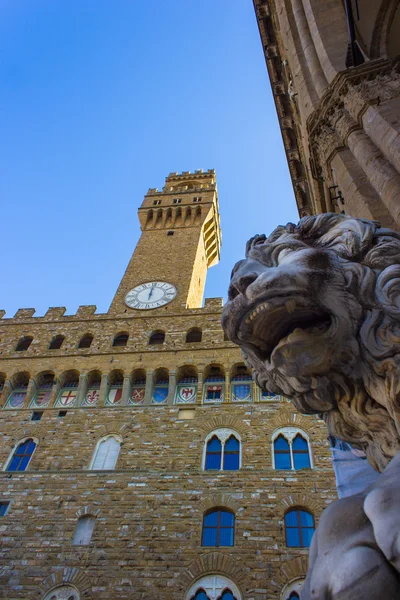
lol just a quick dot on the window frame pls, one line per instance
(21, 340)
(289, 433)
(99, 442)
(223, 434)
(19, 443)
(59, 337)
(299, 527)
(219, 510)
(6, 504)
(80, 519)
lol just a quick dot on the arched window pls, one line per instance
(194, 335)
(294, 596)
(301, 457)
(62, 592)
(24, 343)
(84, 530)
(299, 528)
(213, 454)
(86, 341)
(222, 451)
(218, 528)
(291, 449)
(214, 384)
(282, 453)
(106, 454)
(16, 399)
(157, 337)
(213, 587)
(120, 340)
(241, 384)
(56, 342)
(160, 386)
(22, 456)
(44, 386)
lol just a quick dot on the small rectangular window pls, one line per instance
(62, 413)
(170, 233)
(4, 508)
(36, 415)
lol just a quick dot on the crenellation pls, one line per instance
(24, 313)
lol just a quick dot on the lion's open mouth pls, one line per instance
(271, 322)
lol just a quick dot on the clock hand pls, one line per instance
(151, 291)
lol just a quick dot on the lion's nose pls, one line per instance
(240, 283)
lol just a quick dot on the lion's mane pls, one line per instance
(363, 410)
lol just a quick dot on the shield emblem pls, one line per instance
(241, 392)
(42, 398)
(137, 396)
(114, 396)
(16, 400)
(92, 397)
(186, 394)
(67, 398)
(160, 395)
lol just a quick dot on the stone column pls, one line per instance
(54, 392)
(103, 389)
(171, 387)
(82, 389)
(126, 390)
(310, 53)
(149, 388)
(255, 391)
(7, 389)
(200, 383)
(227, 392)
(30, 392)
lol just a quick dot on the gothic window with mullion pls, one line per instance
(291, 450)
(222, 451)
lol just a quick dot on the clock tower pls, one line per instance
(181, 238)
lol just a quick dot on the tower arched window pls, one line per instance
(222, 451)
(56, 342)
(121, 339)
(157, 337)
(194, 336)
(106, 454)
(218, 528)
(291, 449)
(86, 341)
(299, 528)
(24, 343)
(21, 456)
(84, 530)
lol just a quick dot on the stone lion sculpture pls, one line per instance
(315, 309)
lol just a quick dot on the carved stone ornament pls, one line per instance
(315, 309)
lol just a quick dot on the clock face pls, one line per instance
(150, 295)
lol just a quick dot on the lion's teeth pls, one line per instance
(290, 305)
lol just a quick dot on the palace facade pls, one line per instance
(138, 459)
(335, 74)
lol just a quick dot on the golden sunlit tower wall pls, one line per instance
(334, 72)
(138, 459)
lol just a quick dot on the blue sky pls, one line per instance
(99, 101)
